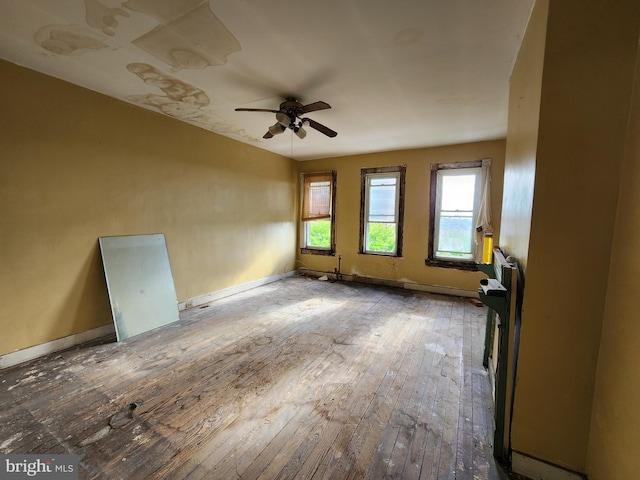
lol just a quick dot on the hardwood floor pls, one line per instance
(295, 379)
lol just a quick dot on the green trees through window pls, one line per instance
(382, 237)
(319, 234)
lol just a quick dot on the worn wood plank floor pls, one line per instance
(296, 379)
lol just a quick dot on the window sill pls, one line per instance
(381, 254)
(318, 251)
(459, 265)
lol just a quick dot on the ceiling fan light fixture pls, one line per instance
(276, 129)
(289, 116)
(283, 119)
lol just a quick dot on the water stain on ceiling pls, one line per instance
(179, 99)
(172, 87)
(189, 38)
(67, 40)
(408, 36)
(102, 17)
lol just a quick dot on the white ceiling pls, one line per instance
(398, 75)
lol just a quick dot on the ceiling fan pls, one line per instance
(289, 115)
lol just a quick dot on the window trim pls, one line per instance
(432, 260)
(331, 251)
(401, 171)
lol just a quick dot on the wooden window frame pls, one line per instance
(431, 260)
(402, 171)
(331, 251)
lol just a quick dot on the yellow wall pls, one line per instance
(615, 423)
(411, 267)
(585, 93)
(525, 88)
(76, 165)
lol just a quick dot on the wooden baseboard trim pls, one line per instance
(537, 469)
(456, 292)
(421, 287)
(29, 353)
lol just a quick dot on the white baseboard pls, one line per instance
(29, 353)
(26, 354)
(540, 470)
(226, 292)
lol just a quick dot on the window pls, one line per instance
(318, 213)
(382, 210)
(456, 192)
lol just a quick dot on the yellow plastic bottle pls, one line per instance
(487, 248)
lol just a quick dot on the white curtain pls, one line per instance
(483, 224)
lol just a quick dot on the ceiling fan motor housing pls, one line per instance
(292, 109)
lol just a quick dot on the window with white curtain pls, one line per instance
(459, 208)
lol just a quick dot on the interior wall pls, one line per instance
(616, 417)
(76, 165)
(584, 107)
(525, 88)
(411, 266)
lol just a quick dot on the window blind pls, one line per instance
(316, 198)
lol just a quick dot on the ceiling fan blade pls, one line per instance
(268, 135)
(321, 128)
(256, 110)
(312, 107)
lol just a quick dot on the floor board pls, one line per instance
(295, 379)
